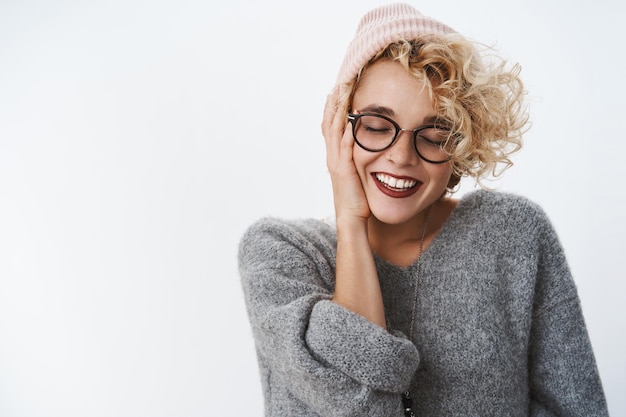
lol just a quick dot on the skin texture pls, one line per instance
(388, 89)
(370, 218)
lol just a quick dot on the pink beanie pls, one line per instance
(382, 26)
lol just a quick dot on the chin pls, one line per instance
(390, 218)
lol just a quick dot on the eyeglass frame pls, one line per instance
(354, 118)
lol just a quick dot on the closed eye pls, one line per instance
(433, 142)
(434, 136)
(377, 130)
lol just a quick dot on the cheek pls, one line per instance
(362, 159)
(443, 173)
(439, 173)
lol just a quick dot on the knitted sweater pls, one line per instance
(499, 329)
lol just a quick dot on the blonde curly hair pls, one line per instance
(481, 102)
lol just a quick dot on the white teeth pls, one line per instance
(392, 182)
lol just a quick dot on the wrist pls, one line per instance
(351, 226)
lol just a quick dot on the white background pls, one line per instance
(138, 139)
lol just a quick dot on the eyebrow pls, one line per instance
(375, 108)
(386, 111)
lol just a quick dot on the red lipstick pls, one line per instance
(395, 192)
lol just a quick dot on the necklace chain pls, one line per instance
(417, 276)
(407, 402)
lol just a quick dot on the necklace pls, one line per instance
(407, 402)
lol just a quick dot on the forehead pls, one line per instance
(388, 84)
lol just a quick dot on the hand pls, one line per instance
(348, 194)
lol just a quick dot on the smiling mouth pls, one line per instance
(395, 184)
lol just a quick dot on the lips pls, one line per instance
(396, 187)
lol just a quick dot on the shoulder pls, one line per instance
(289, 229)
(277, 253)
(495, 201)
(498, 207)
(503, 217)
(276, 238)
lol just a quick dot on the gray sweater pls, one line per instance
(499, 328)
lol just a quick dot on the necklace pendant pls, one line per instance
(407, 403)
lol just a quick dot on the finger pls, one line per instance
(332, 128)
(330, 109)
(340, 125)
(347, 143)
(339, 121)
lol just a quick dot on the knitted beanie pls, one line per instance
(382, 26)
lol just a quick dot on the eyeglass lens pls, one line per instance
(375, 133)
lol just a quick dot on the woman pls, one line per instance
(412, 302)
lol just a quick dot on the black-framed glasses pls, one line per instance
(375, 133)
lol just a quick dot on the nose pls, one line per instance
(402, 152)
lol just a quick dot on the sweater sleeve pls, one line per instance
(333, 361)
(563, 375)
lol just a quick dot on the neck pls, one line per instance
(400, 243)
(396, 234)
